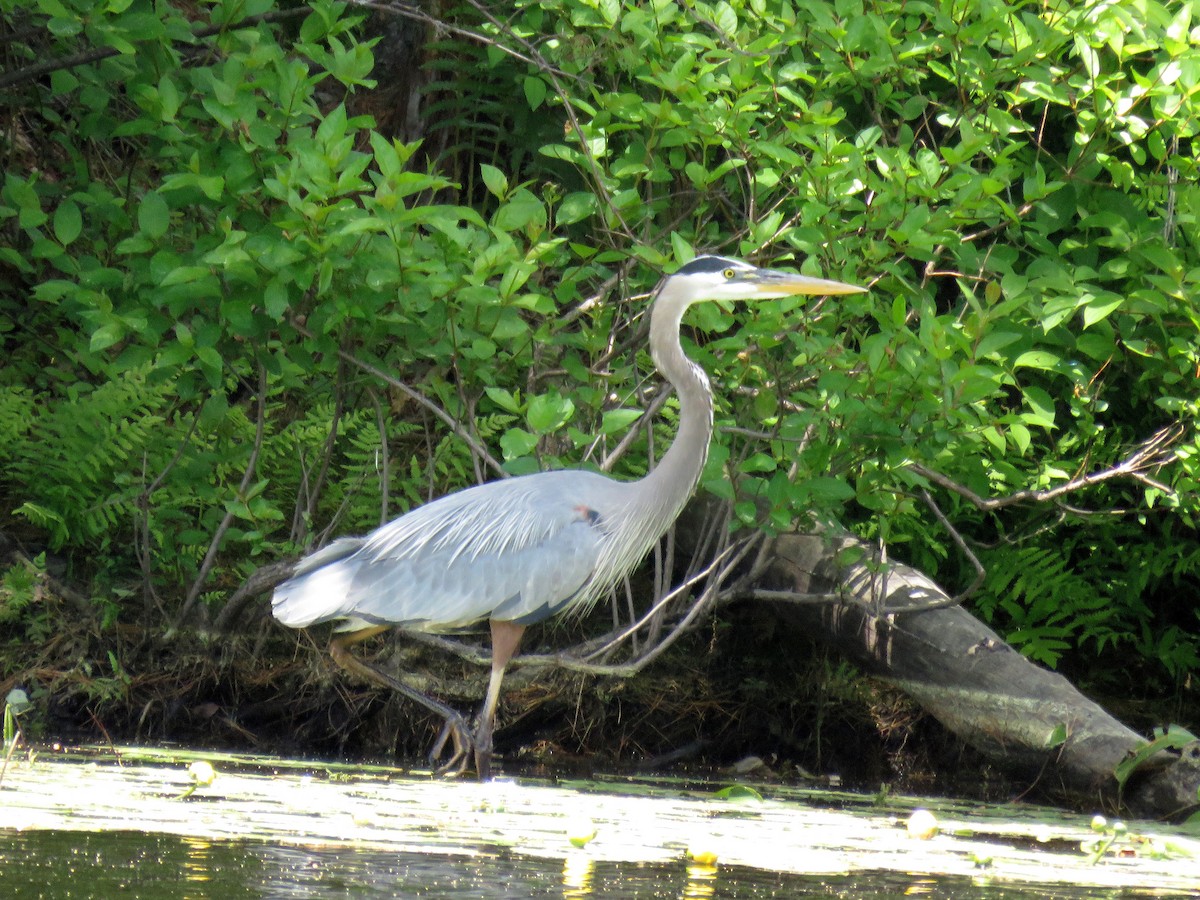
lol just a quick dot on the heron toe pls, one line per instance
(455, 730)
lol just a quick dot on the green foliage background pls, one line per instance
(198, 216)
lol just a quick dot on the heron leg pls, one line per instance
(455, 727)
(506, 638)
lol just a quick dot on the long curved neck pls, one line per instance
(671, 482)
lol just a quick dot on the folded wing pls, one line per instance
(520, 550)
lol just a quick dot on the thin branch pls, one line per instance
(1149, 456)
(415, 395)
(384, 466)
(661, 604)
(214, 546)
(921, 607)
(416, 14)
(263, 579)
(84, 57)
(588, 303)
(1023, 210)
(980, 571)
(313, 488)
(659, 401)
(793, 596)
(331, 526)
(142, 522)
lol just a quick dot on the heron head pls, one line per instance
(721, 278)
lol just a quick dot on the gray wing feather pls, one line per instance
(320, 579)
(519, 549)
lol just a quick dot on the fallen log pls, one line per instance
(899, 625)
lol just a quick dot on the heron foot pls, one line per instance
(455, 730)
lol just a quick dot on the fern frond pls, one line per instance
(71, 470)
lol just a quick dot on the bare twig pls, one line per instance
(142, 522)
(12, 748)
(980, 571)
(793, 596)
(588, 303)
(664, 601)
(416, 14)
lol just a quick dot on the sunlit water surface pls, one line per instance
(63, 864)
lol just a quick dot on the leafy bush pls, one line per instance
(204, 238)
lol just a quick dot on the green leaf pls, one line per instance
(184, 275)
(515, 277)
(575, 207)
(517, 442)
(1174, 737)
(481, 348)
(523, 209)
(698, 175)
(154, 216)
(275, 298)
(68, 222)
(611, 10)
(1100, 308)
(495, 180)
(106, 335)
(506, 400)
(766, 405)
(212, 365)
(829, 488)
(1038, 359)
(45, 517)
(683, 251)
(1020, 437)
(725, 19)
(1057, 737)
(168, 97)
(535, 91)
(994, 341)
(1041, 408)
(615, 421)
(759, 462)
(548, 412)
(509, 326)
(29, 204)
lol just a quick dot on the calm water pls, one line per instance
(60, 864)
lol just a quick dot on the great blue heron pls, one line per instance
(519, 550)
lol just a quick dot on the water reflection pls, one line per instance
(701, 883)
(921, 887)
(198, 865)
(65, 865)
(578, 868)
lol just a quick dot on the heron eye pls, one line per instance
(728, 273)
